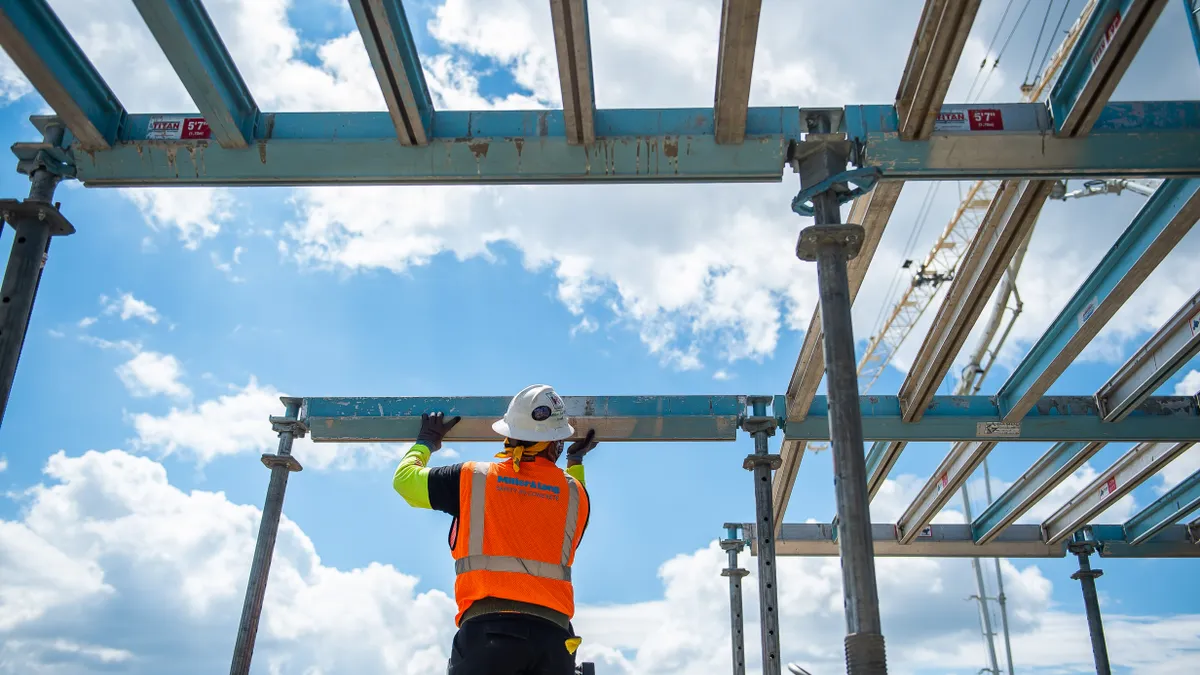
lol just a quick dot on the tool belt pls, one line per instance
(491, 605)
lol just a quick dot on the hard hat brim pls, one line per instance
(559, 434)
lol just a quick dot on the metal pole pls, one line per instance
(831, 245)
(281, 464)
(759, 425)
(733, 545)
(34, 225)
(1000, 599)
(1091, 603)
(985, 618)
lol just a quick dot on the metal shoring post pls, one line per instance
(762, 427)
(733, 545)
(831, 244)
(35, 220)
(281, 464)
(1082, 546)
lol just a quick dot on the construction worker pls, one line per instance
(517, 523)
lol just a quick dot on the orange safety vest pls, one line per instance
(516, 534)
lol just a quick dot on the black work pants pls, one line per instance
(510, 644)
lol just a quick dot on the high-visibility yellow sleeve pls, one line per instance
(411, 479)
(577, 473)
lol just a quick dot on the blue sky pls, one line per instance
(206, 304)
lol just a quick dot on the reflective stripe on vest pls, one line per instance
(476, 560)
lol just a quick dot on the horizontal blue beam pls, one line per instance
(1047, 473)
(1107, 44)
(645, 145)
(191, 43)
(954, 541)
(615, 418)
(38, 43)
(1172, 542)
(1179, 502)
(1163, 220)
(968, 418)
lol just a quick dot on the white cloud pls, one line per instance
(721, 375)
(238, 422)
(3, 464)
(1189, 385)
(196, 212)
(100, 545)
(127, 307)
(13, 84)
(151, 373)
(87, 321)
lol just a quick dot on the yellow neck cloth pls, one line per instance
(520, 452)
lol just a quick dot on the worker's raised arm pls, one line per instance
(575, 453)
(411, 479)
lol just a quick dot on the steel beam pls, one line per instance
(1047, 473)
(735, 68)
(1008, 222)
(393, 53)
(872, 211)
(880, 459)
(1134, 468)
(615, 418)
(192, 44)
(573, 45)
(932, 60)
(1179, 502)
(1192, 9)
(677, 145)
(954, 470)
(970, 418)
(1107, 45)
(1164, 219)
(954, 541)
(1160, 358)
(36, 40)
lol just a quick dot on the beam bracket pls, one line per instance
(848, 238)
(14, 211)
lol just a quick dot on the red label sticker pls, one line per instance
(1107, 39)
(194, 128)
(985, 119)
(1109, 487)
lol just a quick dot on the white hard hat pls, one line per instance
(536, 414)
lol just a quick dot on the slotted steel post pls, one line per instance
(831, 244)
(281, 464)
(761, 463)
(733, 545)
(1082, 547)
(35, 220)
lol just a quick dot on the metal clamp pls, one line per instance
(848, 237)
(754, 461)
(13, 211)
(297, 428)
(287, 461)
(864, 178)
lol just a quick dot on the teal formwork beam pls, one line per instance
(970, 418)
(955, 541)
(615, 418)
(716, 418)
(676, 145)
(1179, 502)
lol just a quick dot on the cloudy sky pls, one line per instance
(169, 325)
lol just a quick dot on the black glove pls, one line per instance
(578, 449)
(433, 429)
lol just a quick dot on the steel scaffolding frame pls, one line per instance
(857, 153)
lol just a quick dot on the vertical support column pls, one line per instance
(831, 244)
(762, 427)
(289, 427)
(733, 545)
(35, 220)
(1082, 546)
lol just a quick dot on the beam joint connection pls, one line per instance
(393, 52)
